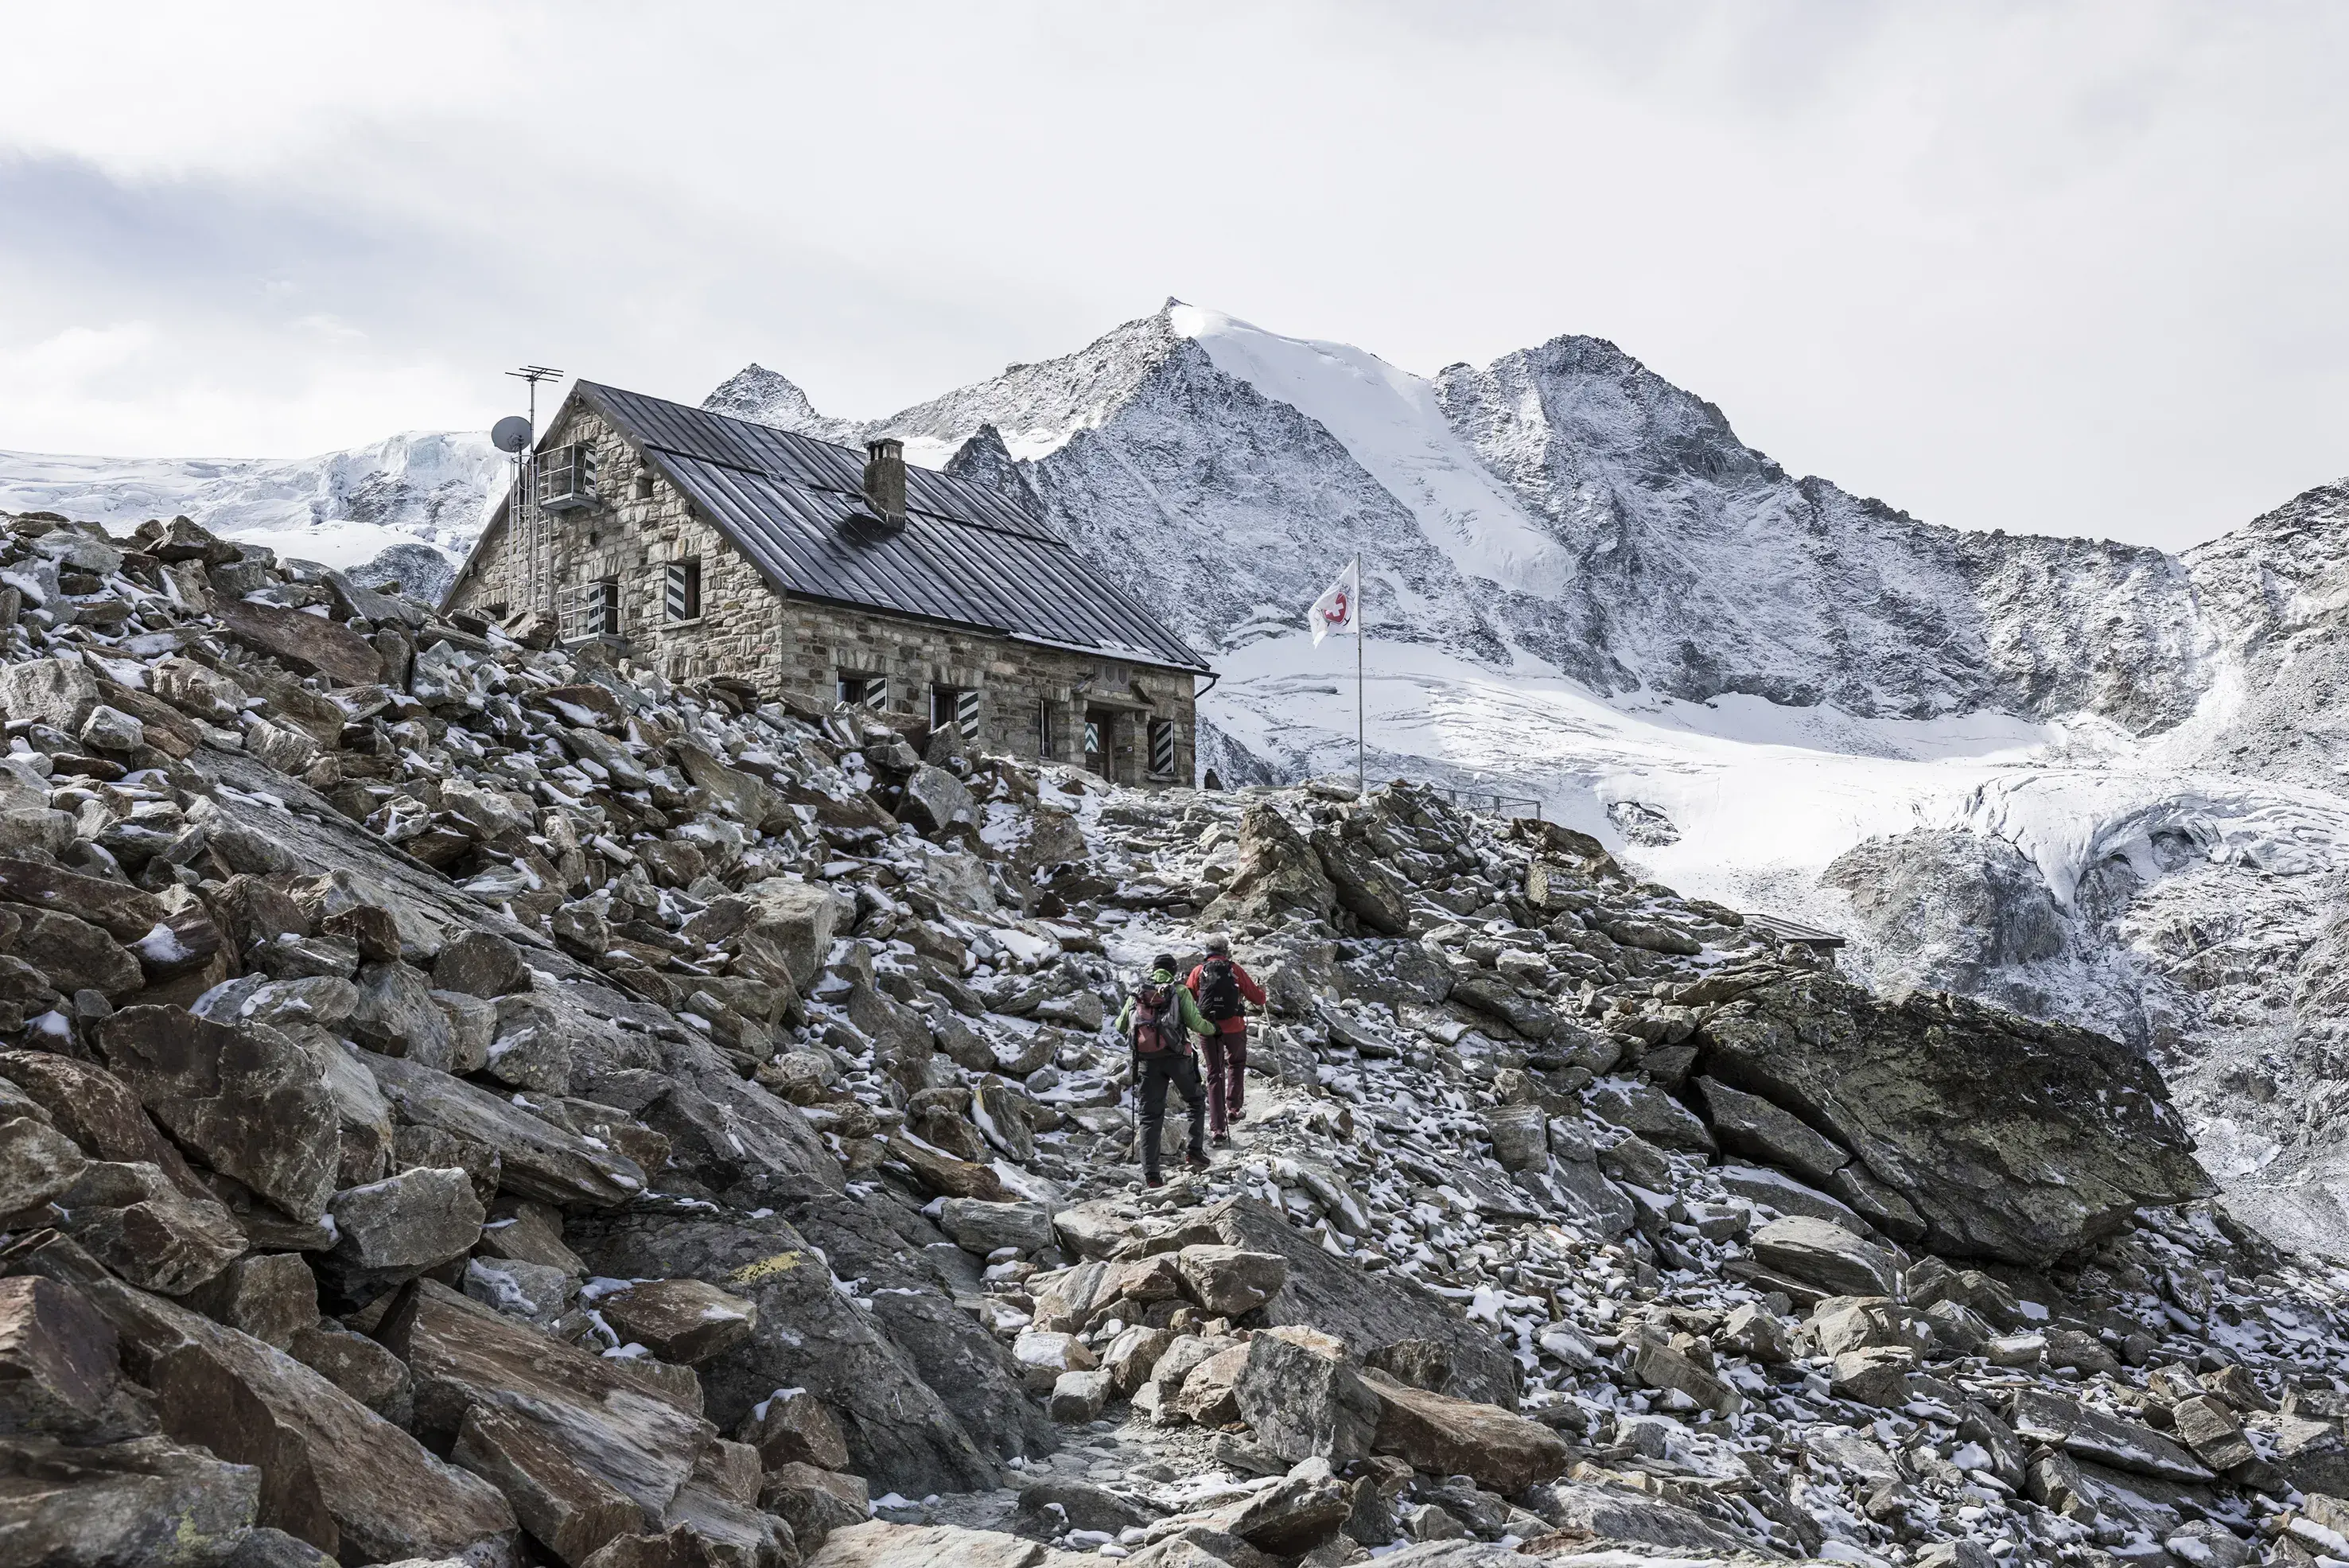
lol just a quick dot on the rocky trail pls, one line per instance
(467, 1102)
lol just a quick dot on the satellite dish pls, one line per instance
(511, 433)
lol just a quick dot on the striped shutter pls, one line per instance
(1162, 747)
(682, 592)
(877, 693)
(966, 714)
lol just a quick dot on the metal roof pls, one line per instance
(966, 554)
(1786, 931)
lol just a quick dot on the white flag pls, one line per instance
(1338, 610)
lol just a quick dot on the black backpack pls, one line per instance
(1219, 991)
(1158, 1020)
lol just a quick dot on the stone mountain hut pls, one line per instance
(707, 547)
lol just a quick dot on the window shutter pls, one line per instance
(682, 592)
(1162, 747)
(966, 714)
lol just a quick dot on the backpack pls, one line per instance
(1158, 1020)
(1219, 991)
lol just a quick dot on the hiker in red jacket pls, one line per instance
(1221, 986)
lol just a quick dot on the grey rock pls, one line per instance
(2012, 1139)
(538, 1159)
(145, 1503)
(981, 1227)
(1827, 1256)
(1301, 1399)
(391, 1230)
(1750, 1125)
(249, 1100)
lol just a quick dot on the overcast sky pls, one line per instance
(2045, 267)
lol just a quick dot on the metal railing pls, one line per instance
(1487, 800)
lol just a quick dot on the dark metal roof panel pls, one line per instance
(1020, 580)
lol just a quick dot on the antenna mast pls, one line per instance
(536, 537)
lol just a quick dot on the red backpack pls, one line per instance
(1158, 1020)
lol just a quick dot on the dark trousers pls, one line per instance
(1227, 1079)
(1178, 1069)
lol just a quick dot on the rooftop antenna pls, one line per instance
(535, 374)
(536, 538)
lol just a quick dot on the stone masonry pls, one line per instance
(1034, 701)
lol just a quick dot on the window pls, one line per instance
(681, 593)
(956, 707)
(865, 690)
(1044, 747)
(1162, 748)
(595, 610)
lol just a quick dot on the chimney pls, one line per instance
(884, 479)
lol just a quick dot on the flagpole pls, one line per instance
(1361, 769)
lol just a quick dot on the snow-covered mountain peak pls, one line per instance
(768, 398)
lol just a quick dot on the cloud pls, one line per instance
(2063, 267)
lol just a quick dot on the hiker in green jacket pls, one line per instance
(1160, 1017)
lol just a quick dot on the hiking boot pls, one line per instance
(1153, 1181)
(1219, 1140)
(1198, 1162)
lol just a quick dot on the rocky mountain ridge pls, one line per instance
(447, 1083)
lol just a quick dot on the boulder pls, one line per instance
(333, 1472)
(461, 1355)
(567, 1508)
(147, 1229)
(123, 912)
(2012, 1139)
(1368, 1313)
(1749, 1124)
(270, 1295)
(1226, 1281)
(1816, 1252)
(74, 955)
(981, 1228)
(1209, 1391)
(814, 1502)
(1649, 1111)
(1520, 1135)
(307, 644)
(145, 1503)
(54, 691)
(36, 1160)
(1659, 1365)
(2086, 1433)
(250, 1102)
(791, 1426)
(1364, 887)
(900, 1429)
(935, 800)
(482, 964)
(1301, 1399)
(683, 1321)
(388, 1232)
(1278, 876)
(877, 1543)
(1078, 1397)
(1505, 1452)
(536, 1159)
(1612, 1515)
(59, 1375)
(1296, 1514)
(787, 930)
(397, 1016)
